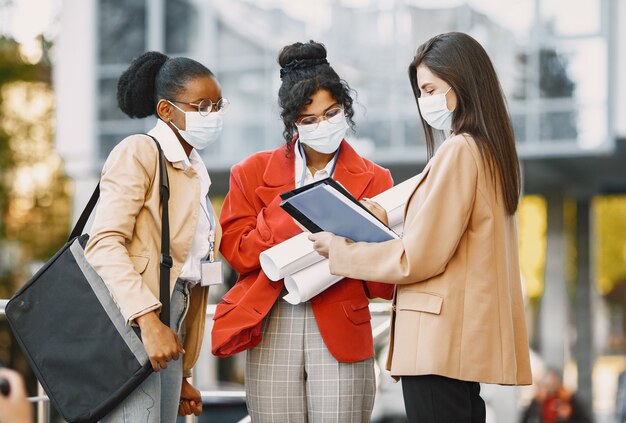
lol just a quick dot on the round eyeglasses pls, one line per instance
(206, 106)
(310, 123)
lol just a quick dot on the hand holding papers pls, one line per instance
(376, 209)
(306, 273)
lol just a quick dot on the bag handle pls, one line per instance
(165, 260)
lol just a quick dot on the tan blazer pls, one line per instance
(124, 246)
(458, 309)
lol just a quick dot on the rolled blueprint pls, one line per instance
(288, 257)
(310, 281)
(306, 273)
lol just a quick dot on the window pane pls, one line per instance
(586, 62)
(414, 132)
(378, 131)
(571, 17)
(107, 100)
(107, 142)
(515, 15)
(519, 127)
(111, 138)
(181, 23)
(558, 126)
(122, 28)
(554, 78)
(572, 89)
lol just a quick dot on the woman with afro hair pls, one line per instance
(125, 242)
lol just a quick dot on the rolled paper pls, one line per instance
(288, 257)
(307, 283)
(304, 271)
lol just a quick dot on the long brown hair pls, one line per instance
(481, 110)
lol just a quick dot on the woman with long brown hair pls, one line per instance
(458, 316)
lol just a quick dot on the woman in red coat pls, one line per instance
(313, 360)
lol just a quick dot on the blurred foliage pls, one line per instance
(38, 212)
(532, 216)
(34, 193)
(609, 229)
(14, 68)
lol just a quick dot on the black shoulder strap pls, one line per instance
(166, 261)
(84, 216)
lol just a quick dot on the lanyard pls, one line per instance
(211, 216)
(304, 167)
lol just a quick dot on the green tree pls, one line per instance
(34, 197)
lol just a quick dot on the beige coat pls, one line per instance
(125, 242)
(458, 309)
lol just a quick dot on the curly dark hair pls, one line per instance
(151, 77)
(304, 71)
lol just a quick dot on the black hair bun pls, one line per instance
(136, 86)
(301, 56)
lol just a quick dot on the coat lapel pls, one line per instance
(418, 182)
(278, 176)
(351, 171)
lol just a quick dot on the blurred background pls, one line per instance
(561, 64)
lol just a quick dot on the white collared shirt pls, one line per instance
(175, 154)
(309, 177)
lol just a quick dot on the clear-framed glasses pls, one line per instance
(310, 123)
(206, 106)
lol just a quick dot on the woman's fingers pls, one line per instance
(157, 365)
(174, 348)
(376, 209)
(180, 347)
(187, 407)
(182, 408)
(160, 342)
(372, 205)
(197, 408)
(321, 242)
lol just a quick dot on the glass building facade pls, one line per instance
(553, 66)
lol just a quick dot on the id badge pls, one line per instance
(212, 272)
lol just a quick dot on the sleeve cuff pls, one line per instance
(337, 256)
(132, 319)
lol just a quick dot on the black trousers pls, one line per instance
(438, 399)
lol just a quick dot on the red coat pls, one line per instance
(252, 221)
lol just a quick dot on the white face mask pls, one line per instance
(200, 131)
(434, 110)
(326, 138)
